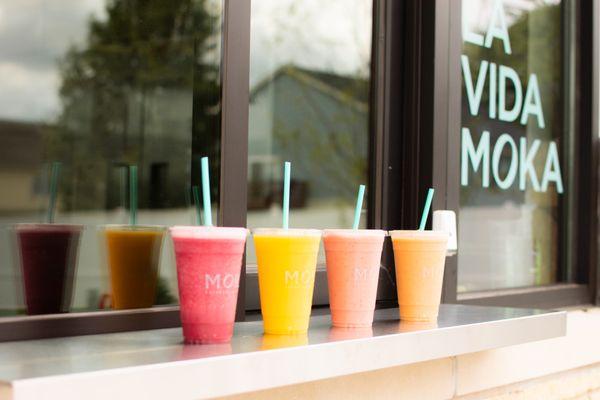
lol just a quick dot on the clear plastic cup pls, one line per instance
(353, 262)
(419, 257)
(133, 260)
(287, 263)
(209, 262)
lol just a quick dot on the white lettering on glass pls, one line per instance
(477, 157)
(508, 180)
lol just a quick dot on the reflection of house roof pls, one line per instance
(350, 90)
(20, 144)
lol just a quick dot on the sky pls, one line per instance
(333, 35)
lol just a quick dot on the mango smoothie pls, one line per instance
(419, 257)
(287, 263)
(133, 257)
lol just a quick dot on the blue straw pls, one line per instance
(53, 190)
(426, 209)
(133, 194)
(286, 194)
(359, 203)
(206, 192)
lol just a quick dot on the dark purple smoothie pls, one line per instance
(48, 254)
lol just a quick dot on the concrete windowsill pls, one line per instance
(150, 364)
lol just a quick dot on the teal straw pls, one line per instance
(53, 190)
(287, 166)
(133, 195)
(425, 214)
(206, 192)
(123, 183)
(196, 192)
(359, 203)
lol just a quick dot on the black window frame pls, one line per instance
(444, 112)
(415, 105)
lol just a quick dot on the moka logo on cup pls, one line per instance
(362, 274)
(428, 272)
(221, 282)
(298, 278)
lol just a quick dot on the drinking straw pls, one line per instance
(358, 209)
(287, 166)
(425, 214)
(206, 192)
(53, 189)
(133, 195)
(123, 184)
(196, 192)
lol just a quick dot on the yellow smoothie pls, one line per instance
(287, 263)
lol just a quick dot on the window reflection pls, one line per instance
(309, 104)
(99, 86)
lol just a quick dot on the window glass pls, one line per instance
(514, 144)
(88, 89)
(309, 104)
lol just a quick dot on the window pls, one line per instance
(513, 156)
(309, 104)
(93, 88)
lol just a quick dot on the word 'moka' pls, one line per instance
(479, 154)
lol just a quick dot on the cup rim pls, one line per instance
(47, 226)
(356, 232)
(286, 232)
(208, 232)
(133, 227)
(419, 234)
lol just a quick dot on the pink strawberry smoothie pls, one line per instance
(209, 261)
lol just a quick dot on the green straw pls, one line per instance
(287, 166)
(425, 214)
(133, 195)
(359, 203)
(196, 192)
(53, 190)
(206, 192)
(123, 183)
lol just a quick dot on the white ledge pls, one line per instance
(156, 365)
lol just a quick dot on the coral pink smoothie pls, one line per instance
(353, 261)
(209, 261)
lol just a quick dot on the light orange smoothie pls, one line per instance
(133, 257)
(419, 257)
(353, 261)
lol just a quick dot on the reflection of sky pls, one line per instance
(34, 36)
(332, 35)
(476, 13)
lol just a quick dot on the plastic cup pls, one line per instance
(133, 260)
(209, 262)
(287, 263)
(48, 258)
(419, 257)
(353, 262)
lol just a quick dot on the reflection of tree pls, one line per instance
(141, 51)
